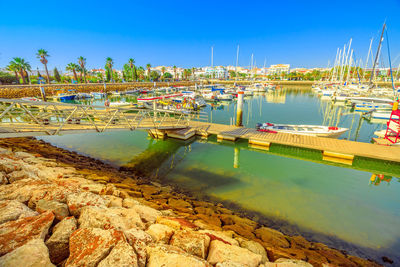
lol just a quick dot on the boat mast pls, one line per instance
(334, 65)
(377, 56)
(366, 62)
(349, 66)
(341, 64)
(237, 62)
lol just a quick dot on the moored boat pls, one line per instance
(311, 130)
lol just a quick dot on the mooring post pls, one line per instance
(43, 93)
(239, 111)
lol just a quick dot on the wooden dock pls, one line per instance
(336, 150)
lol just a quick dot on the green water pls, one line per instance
(286, 188)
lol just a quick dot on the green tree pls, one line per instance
(14, 68)
(73, 67)
(131, 63)
(43, 55)
(109, 65)
(57, 76)
(154, 76)
(163, 69)
(6, 78)
(82, 64)
(167, 75)
(22, 66)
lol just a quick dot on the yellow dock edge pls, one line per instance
(181, 136)
(260, 147)
(221, 137)
(259, 142)
(338, 157)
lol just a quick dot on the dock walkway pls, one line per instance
(339, 150)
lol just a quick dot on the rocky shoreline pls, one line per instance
(61, 208)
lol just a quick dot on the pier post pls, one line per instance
(239, 111)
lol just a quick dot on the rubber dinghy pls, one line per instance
(311, 130)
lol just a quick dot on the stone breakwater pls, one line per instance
(53, 213)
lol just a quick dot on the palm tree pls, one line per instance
(193, 70)
(148, 66)
(14, 68)
(73, 67)
(82, 63)
(42, 55)
(131, 62)
(109, 64)
(21, 65)
(163, 69)
(174, 67)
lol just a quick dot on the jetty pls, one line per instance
(20, 118)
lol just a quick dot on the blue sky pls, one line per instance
(301, 33)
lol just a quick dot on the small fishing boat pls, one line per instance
(120, 104)
(83, 96)
(30, 99)
(62, 96)
(98, 95)
(311, 130)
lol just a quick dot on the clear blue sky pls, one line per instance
(301, 33)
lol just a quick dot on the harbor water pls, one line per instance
(289, 189)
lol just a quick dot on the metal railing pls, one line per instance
(28, 118)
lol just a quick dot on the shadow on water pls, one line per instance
(161, 157)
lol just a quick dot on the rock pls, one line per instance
(244, 223)
(147, 214)
(21, 174)
(240, 230)
(210, 219)
(33, 254)
(192, 242)
(23, 155)
(60, 210)
(206, 211)
(111, 190)
(114, 202)
(92, 187)
(149, 190)
(76, 201)
(299, 242)
(3, 178)
(231, 264)
(160, 233)
(107, 218)
(362, 262)
(129, 203)
(287, 263)
(52, 192)
(89, 246)
(180, 204)
(177, 223)
(163, 255)
(336, 257)
(58, 243)
(122, 255)
(8, 165)
(21, 190)
(256, 248)
(223, 236)
(272, 237)
(139, 240)
(14, 234)
(11, 210)
(221, 252)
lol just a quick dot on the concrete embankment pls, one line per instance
(61, 208)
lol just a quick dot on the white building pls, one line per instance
(278, 69)
(218, 72)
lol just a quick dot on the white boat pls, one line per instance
(98, 95)
(30, 99)
(311, 130)
(83, 96)
(224, 97)
(120, 104)
(381, 115)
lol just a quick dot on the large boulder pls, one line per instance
(176, 223)
(164, 255)
(11, 210)
(60, 210)
(192, 242)
(21, 190)
(147, 214)
(89, 246)
(287, 263)
(33, 254)
(139, 240)
(222, 252)
(256, 248)
(160, 233)
(224, 236)
(58, 243)
(106, 218)
(79, 200)
(272, 237)
(120, 256)
(14, 234)
(21, 174)
(3, 178)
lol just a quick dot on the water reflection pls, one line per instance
(377, 179)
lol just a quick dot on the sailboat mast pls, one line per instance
(377, 55)
(366, 62)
